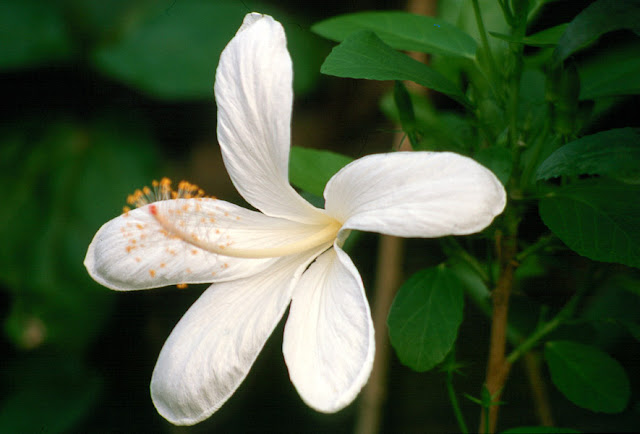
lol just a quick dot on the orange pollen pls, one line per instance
(162, 190)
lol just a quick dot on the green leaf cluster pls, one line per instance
(529, 105)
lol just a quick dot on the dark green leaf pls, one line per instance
(438, 130)
(364, 55)
(597, 219)
(407, 116)
(498, 160)
(615, 153)
(32, 33)
(425, 316)
(600, 17)
(402, 31)
(171, 49)
(587, 376)
(545, 38)
(614, 72)
(540, 430)
(311, 169)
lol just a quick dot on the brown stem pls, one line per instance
(538, 388)
(388, 278)
(498, 367)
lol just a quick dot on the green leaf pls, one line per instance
(402, 31)
(540, 430)
(171, 49)
(32, 33)
(597, 219)
(600, 17)
(614, 153)
(311, 169)
(425, 316)
(587, 376)
(498, 159)
(545, 38)
(364, 55)
(613, 72)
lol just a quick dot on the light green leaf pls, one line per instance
(170, 50)
(402, 31)
(597, 219)
(364, 55)
(615, 153)
(598, 18)
(32, 33)
(425, 316)
(311, 169)
(540, 430)
(616, 71)
(587, 376)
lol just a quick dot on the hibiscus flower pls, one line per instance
(286, 255)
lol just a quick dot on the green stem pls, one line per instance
(542, 242)
(566, 312)
(485, 40)
(454, 403)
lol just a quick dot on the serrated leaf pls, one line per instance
(587, 376)
(616, 71)
(598, 18)
(402, 31)
(597, 219)
(615, 153)
(424, 317)
(364, 55)
(31, 33)
(311, 169)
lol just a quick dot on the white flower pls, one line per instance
(287, 254)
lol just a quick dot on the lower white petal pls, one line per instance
(212, 348)
(415, 194)
(135, 250)
(329, 339)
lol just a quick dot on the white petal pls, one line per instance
(212, 348)
(134, 251)
(254, 95)
(328, 339)
(415, 194)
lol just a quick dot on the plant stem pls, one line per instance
(538, 385)
(455, 405)
(498, 366)
(485, 40)
(388, 276)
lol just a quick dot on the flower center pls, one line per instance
(324, 235)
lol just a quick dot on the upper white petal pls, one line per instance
(133, 251)
(328, 339)
(254, 95)
(212, 348)
(415, 194)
